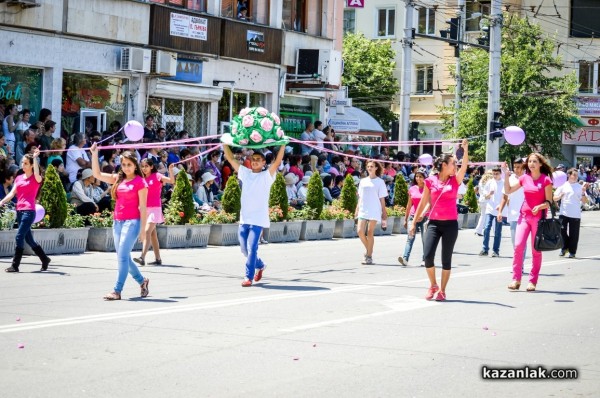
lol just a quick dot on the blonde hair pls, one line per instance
(488, 175)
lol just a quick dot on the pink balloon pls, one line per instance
(134, 130)
(426, 159)
(40, 212)
(559, 178)
(514, 135)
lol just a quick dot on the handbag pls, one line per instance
(548, 236)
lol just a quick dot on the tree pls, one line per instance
(348, 195)
(314, 197)
(400, 191)
(534, 95)
(278, 196)
(53, 199)
(470, 199)
(369, 74)
(232, 197)
(181, 206)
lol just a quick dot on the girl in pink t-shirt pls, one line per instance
(130, 192)
(415, 192)
(440, 193)
(537, 187)
(155, 181)
(26, 187)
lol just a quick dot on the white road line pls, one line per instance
(242, 301)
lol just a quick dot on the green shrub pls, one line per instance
(74, 219)
(278, 196)
(314, 197)
(181, 206)
(232, 197)
(400, 191)
(53, 199)
(349, 197)
(470, 199)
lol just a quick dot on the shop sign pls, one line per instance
(588, 150)
(344, 125)
(582, 136)
(356, 3)
(188, 71)
(255, 41)
(588, 106)
(9, 91)
(189, 26)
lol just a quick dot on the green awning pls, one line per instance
(578, 122)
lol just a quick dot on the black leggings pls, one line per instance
(447, 231)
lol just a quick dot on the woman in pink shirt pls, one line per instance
(440, 193)
(26, 187)
(415, 192)
(130, 191)
(537, 187)
(155, 182)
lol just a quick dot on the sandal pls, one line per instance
(145, 291)
(112, 296)
(156, 262)
(140, 261)
(531, 287)
(515, 285)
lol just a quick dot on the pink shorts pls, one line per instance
(155, 215)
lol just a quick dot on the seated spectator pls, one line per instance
(327, 185)
(303, 190)
(101, 195)
(337, 186)
(204, 192)
(58, 164)
(243, 14)
(291, 191)
(7, 179)
(82, 194)
(56, 149)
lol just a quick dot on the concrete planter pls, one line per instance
(60, 240)
(388, 230)
(462, 220)
(399, 225)
(473, 219)
(182, 236)
(317, 229)
(7, 243)
(102, 240)
(224, 234)
(279, 232)
(345, 229)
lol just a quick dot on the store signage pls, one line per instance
(344, 125)
(255, 41)
(189, 26)
(582, 136)
(588, 106)
(9, 91)
(340, 102)
(587, 150)
(188, 71)
(356, 3)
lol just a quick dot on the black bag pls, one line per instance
(548, 236)
(462, 209)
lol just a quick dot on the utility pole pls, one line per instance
(406, 75)
(462, 23)
(492, 148)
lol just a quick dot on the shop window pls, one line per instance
(483, 7)
(386, 22)
(197, 5)
(585, 18)
(294, 15)
(349, 21)
(176, 115)
(424, 79)
(241, 100)
(426, 23)
(81, 91)
(588, 77)
(21, 86)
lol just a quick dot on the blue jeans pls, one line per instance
(125, 234)
(25, 219)
(411, 239)
(489, 220)
(248, 236)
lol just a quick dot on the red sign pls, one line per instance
(582, 136)
(356, 3)
(593, 122)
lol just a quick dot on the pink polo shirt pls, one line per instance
(443, 198)
(154, 189)
(127, 206)
(534, 192)
(27, 189)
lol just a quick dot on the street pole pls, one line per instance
(492, 148)
(462, 23)
(406, 75)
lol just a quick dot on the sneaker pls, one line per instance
(422, 263)
(367, 261)
(495, 254)
(263, 241)
(441, 296)
(562, 253)
(431, 292)
(483, 253)
(259, 273)
(571, 255)
(403, 261)
(246, 283)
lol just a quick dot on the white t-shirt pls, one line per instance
(494, 201)
(319, 137)
(370, 191)
(255, 196)
(72, 166)
(570, 204)
(515, 200)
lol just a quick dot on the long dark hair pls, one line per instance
(443, 158)
(150, 162)
(138, 172)
(414, 180)
(545, 167)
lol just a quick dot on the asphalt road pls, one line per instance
(319, 324)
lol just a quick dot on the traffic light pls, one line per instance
(413, 134)
(452, 32)
(485, 39)
(496, 126)
(395, 133)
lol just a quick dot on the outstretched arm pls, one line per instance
(460, 176)
(230, 158)
(275, 165)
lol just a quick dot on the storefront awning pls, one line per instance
(184, 91)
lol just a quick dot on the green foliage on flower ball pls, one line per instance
(53, 199)
(314, 197)
(181, 206)
(257, 126)
(470, 199)
(348, 196)
(400, 190)
(232, 197)
(278, 196)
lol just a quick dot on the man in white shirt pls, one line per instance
(494, 196)
(571, 194)
(318, 134)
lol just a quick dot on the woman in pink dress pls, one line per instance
(155, 182)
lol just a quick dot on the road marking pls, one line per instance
(247, 300)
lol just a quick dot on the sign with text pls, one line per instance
(188, 71)
(345, 125)
(588, 106)
(356, 3)
(255, 41)
(582, 136)
(188, 26)
(340, 102)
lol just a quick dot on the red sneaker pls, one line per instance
(431, 292)
(259, 273)
(246, 283)
(441, 296)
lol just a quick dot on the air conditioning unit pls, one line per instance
(22, 3)
(135, 59)
(325, 63)
(164, 63)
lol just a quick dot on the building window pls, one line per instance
(233, 8)
(426, 21)
(241, 100)
(585, 18)
(197, 5)
(386, 21)
(294, 15)
(588, 78)
(349, 21)
(176, 115)
(482, 7)
(424, 79)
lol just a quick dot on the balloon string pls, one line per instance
(108, 138)
(200, 154)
